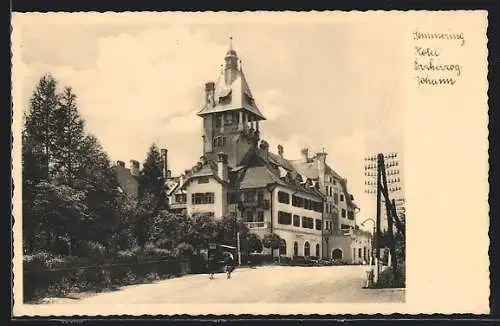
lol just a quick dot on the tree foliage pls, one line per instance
(271, 241)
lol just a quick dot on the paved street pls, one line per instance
(277, 284)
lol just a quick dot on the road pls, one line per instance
(272, 284)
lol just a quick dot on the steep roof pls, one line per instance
(208, 169)
(263, 168)
(310, 170)
(241, 97)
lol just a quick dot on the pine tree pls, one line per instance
(37, 144)
(151, 181)
(40, 124)
(69, 140)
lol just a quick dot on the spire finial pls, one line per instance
(231, 42)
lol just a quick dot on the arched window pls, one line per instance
(307, 249)
(295, 248)
(317, 250)
(337, 254)
(282, 247)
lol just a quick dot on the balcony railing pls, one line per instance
(257, 225)
(264, 204)
(177, 205)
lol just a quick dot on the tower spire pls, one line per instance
(230, 42)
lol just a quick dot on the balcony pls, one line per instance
(263, 204)
(257, 225)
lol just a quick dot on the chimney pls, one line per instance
(305, 155)
(280, 150)
(164, 162)
(264, 147)
(181, 179)
(134, 168)
(222, 166)
(209, 93)
(321, 157)
(120, 163)
(169, 174)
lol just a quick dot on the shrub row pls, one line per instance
(50, 275)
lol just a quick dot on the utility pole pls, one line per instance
(379, 163)
(239, 248)
(377, 237)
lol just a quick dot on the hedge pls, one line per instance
(51, 275)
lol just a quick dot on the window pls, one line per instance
(307, 249)
(260, 196)
(317, 250)
(284, 218)
(327, 225)
(307, 222)
(334, 182)
(353, 253)
(319, 224)
(295, 248)
(249, 215)
(249, 196)
(282, 247)
(341, 197)
(345, 227)
(327, 190)
(318, 206)
(337, 254)
(296, 220)
(203, 180)
(343, 213)
(228, 119)
(364, 253)
(283, 197)
(232, 197)
(202, 198)
(359, 253)
(209, 214)
(260, 216)
(295, 201)
(225, 99)
(248, 99)
(180, 198)
(219, 141)
(336, 198)
(350, 214)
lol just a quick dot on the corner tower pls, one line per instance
(230, 114)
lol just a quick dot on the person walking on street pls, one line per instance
(229, 265)
(211, 266)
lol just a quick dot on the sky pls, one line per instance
(333, 86)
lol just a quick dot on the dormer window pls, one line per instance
(248, 98)
(225, 99)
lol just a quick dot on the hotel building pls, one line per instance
(304, 201)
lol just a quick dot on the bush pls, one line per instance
(387, 280)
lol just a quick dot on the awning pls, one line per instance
(227, 247)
